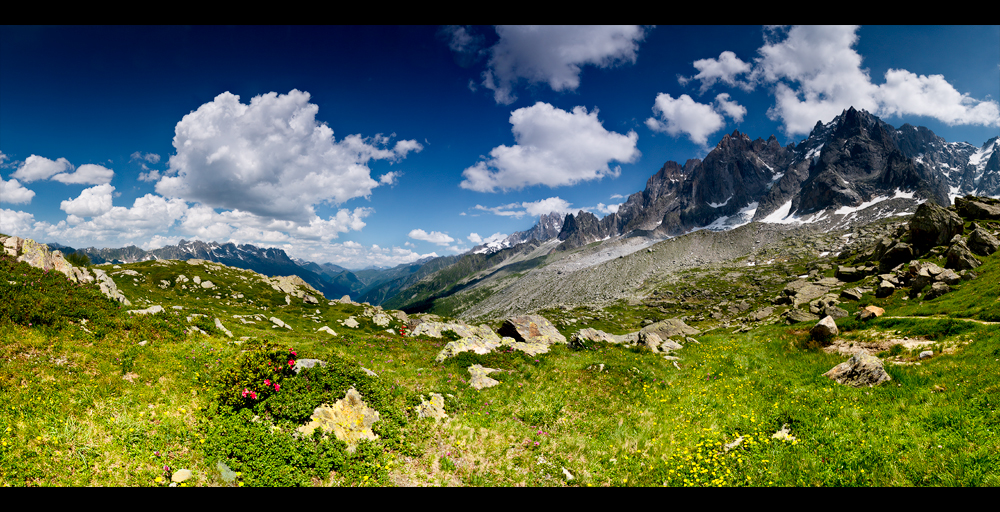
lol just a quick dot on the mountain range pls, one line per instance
(853, 162)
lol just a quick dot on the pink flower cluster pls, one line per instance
(253, 394)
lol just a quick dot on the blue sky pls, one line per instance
(379, 145)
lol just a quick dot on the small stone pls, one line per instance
(181, 475)
(566, 473)
(926, 354)
(480, 379)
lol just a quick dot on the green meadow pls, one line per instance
(92, 395)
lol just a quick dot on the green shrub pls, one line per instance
(257, 373)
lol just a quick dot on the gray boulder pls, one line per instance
(862, 369)
(959, 257)
(670, 328)
(824, 330)
(850, 274)
(933, 225)
(885, 289)
(793, 316)
(531, 329)
(937, 290)
(975, 208)
(981, 242)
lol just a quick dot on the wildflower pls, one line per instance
(276, 386)
(245, 392)
(267, 382)
(253, 394)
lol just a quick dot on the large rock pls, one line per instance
(850, 274)
(531, 329)
(350, 419)
(937, 290)
(670, 328)
(862, 369)
(885, 289)
(897, 253)
(959, 257)
(583, 337)
(794, 316)
(981, 242)
(824, 330)
(151, 310)
(933, 225)
(975, 208)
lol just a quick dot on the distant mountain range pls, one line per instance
(853, 161)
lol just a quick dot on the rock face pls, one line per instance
(824, 330)
(531, 329)
(860, 370)
(350, 419)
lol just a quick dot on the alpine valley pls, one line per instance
(849, 172)
(824, 313)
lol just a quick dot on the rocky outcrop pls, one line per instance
(860, 370)
(982, 242)
(37, 255)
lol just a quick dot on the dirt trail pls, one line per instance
(984, 322)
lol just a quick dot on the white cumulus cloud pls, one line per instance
(434, 237)
(11, 191)
(554, 147)
(271, 158)
(730, 108)
(92, 202)
(554, 55)
(40, 168)
(86, 174)
(908, 93)
(684, 115)
(16, 223)
(725, 69)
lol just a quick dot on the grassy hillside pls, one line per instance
(125, 399)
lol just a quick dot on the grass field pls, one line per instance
(126, 400)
